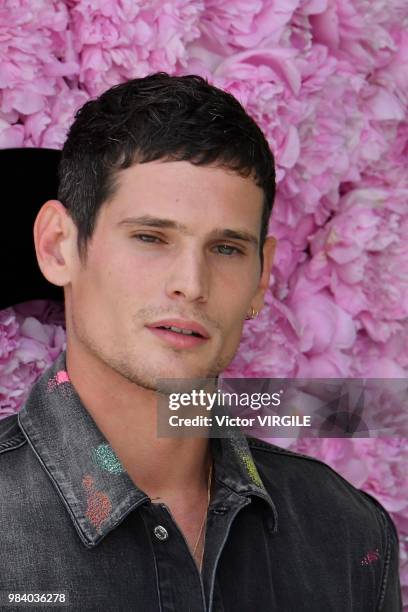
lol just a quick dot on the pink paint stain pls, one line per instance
(60, 378)
(370, 557)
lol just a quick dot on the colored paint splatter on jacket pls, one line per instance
(246, 459)
(99, 506)
(251, 468)
(59, 381)
(370, 557)
(105, 458)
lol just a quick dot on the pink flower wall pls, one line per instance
(327, 80)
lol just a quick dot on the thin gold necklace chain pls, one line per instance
(205, 515)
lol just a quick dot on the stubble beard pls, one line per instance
(163, 382)
(159, 382)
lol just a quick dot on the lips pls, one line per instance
(177, 339)
(182, 324)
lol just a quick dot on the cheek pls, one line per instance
(114, 274)
(237, 300)
(233, 325)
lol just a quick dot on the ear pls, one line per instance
(55, 239)
(268, 256)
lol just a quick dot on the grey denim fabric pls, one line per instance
(285, 532)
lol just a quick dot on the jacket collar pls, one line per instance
(89, 478)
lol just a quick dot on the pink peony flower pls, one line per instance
(387, 359)
(356, 30)
(119, 41)
(231, 25)
(27, 348)
(49, 127)
(361, 253)
(32, 40)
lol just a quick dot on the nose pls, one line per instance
(188, 276)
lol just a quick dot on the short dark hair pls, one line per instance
(173, 118)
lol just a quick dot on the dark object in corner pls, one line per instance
(29, 178)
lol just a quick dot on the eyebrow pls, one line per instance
(170, 224)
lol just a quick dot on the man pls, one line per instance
(158, 238)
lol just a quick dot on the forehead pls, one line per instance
(185, 192)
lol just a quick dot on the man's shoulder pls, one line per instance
(295, 474)
(11, 435)
(313, 499)
(284, 464)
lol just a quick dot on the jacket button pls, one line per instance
(160, 532)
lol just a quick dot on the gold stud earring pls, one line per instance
(253, 315)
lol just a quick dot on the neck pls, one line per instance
(126, 414)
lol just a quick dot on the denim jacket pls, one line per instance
(284, 533)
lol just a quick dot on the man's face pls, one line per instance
(176, 262)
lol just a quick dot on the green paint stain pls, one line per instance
(246, 458)
(105, 458)
(251, 469)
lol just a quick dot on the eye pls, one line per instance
(231, 250)
(146, 238)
